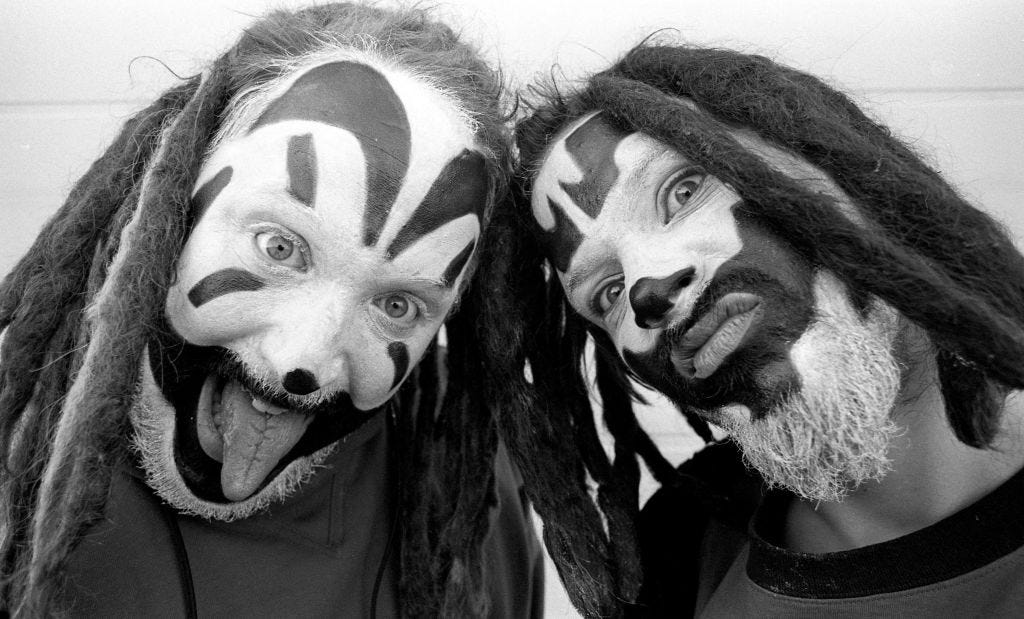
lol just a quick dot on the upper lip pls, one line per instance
(708, 324)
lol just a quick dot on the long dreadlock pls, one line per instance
(79, 308)
(913, 242)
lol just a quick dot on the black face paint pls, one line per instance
(221, 283)
(400, 357)
(302, 168)
(300, 382)
(759, 375)
(454, 269)
(180, 369)
(563, 240)
(592, 148)
(357, 98)
(208, 192)
(460, 189)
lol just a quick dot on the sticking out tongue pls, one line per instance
(247, 435)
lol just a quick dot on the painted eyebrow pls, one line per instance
(359, 99)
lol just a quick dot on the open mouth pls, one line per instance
(247, 434)
(722, 330)
(232, 438)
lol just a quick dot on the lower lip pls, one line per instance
(740, 311)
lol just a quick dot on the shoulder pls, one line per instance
(127, 564)
(713, 486)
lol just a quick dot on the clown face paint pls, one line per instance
(329, 246)
(659, 255)
(700, 301)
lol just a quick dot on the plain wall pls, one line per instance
(946, 75)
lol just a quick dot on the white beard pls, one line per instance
(834, 434)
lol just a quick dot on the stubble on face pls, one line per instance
(833, 434)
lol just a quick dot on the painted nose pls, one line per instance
(652, 298)
(300, 382)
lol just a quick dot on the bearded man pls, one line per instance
(742, 238)
(211, 402)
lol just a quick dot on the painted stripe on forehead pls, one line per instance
(592, 148)
(302, 168)
(209, 191)
(455, 267)
(221, 283)
(563, 240)
(460, 189)
(400, 358)
(357, 98)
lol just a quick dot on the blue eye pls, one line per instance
(281, 249)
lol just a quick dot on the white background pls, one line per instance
(948, 76)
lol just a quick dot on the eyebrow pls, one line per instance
(582, 271)
(643, 167)
(432, 282)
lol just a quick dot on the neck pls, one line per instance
(933, 475)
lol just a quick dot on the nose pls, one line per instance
(652, 298)
(300, 382)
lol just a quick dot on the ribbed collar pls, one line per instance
(971, 538)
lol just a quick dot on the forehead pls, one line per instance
(591, 160)
(404, 143)
(581, 168)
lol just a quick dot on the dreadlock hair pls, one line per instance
(912, 242)
(79, 308)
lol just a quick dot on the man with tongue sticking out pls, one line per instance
(740, 237)
(254, 416)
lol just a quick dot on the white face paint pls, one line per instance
(834, 433)
(330, 247)
(702, 302)
(662, 219)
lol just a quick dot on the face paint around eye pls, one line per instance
(399, 354)
(607, 296)
(282, 309)
(399, 307)
(283, 249)
(680, 191)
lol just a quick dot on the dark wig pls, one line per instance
(916, 244)
(79, 308)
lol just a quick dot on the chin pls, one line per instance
(193, 408)
(832, 434)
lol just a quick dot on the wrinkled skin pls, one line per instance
(329, 244)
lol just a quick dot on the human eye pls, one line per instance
(400, 307)
(679, 190)
(282, 248)
(606, 295)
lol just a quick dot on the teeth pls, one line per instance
(267, 408)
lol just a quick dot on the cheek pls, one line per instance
(216, 298)
(218, 323)
(381, 367)
(628, 336)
